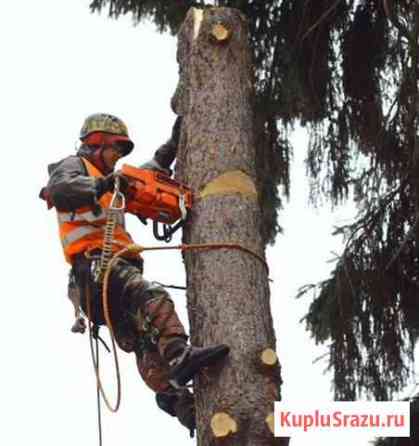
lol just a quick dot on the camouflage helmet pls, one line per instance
(102, 122)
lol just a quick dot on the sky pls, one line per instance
(59, 63)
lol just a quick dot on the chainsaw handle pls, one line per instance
(168, 230)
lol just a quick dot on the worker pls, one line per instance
(142, 313)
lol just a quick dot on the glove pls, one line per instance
(107, 184)
(104, 185)
(154, 165)
(166, 153)
(123, 181)
(176, 131)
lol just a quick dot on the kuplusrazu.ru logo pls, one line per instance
(384, 419)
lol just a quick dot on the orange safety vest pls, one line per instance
(82, 230)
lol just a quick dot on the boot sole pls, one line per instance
(200, 362)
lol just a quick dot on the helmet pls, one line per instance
(109, 124)
(102, 122)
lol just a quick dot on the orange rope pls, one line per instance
(137, 249)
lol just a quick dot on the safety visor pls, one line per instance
(121, 143)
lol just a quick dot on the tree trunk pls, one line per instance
(227, 289)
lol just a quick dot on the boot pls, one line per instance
(189, 360)
(184, 361)
(180, 404)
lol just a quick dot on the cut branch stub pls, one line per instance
(223, 425)
(220, 33)
(270, 421)
(198, 17)
(268, 358)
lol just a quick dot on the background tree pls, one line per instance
(347, 71)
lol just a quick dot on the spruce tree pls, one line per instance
(347, 70)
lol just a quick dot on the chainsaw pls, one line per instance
(152, 194)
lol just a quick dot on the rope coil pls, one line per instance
(95, 359)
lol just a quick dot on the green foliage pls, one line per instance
(165, 14)
(368, 309)
(347, 70)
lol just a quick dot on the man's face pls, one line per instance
(111, 155)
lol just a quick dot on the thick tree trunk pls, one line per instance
(228, 291)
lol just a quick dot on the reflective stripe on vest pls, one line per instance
(79, 233)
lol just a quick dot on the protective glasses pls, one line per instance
(120, 143)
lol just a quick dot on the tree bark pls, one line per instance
(227, 290)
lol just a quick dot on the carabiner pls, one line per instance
(117, 194)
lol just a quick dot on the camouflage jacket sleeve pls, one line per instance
(69, 186)
(166, 154)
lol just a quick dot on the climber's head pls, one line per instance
(104, 140)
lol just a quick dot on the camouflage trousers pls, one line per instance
(142, 314)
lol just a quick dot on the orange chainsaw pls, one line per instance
(152, 194)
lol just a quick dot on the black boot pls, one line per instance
(179, 404)
(190, 360)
